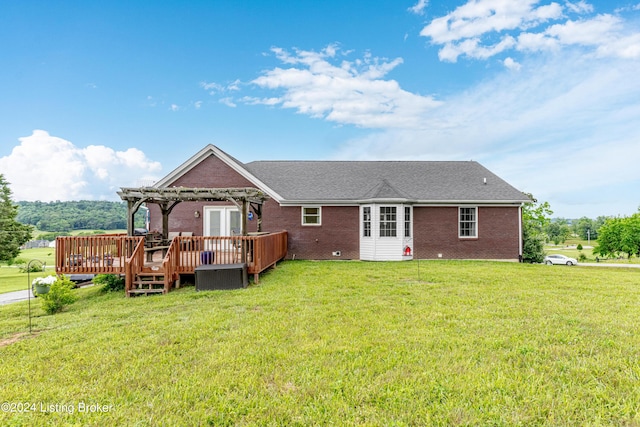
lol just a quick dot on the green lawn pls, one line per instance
(11, 279)
(340, 343)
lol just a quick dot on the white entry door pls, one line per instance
(221, 221)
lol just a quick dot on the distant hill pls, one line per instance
(75, 215)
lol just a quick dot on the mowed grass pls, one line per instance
(340, 343)
(11, 279)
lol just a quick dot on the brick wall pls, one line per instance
(339, 231)
(436, 232)
(211, 172)
(435, 228)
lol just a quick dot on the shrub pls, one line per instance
(582, 257)
(35, 267)
(59, 296)
(579, 247)
(533, 244)
(109, 282)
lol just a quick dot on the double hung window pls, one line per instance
(366, 221)
(311, 215)
(388, 221)
(407, 221)
(468, 222)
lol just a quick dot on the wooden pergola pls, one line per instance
(169, 198)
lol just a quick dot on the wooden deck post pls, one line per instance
(245, 212)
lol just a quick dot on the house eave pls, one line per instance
(417, 203)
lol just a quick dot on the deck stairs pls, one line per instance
(148, 281)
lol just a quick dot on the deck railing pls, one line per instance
(105, 254)
(122, 254)
(133, 265)
(170, 265)
(259, 252)
(267, 250)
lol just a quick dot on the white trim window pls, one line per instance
(312, 215)
(468, 222)
(366, 221)
(388, 218)
(407, 221)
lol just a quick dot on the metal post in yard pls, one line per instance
(29, 286)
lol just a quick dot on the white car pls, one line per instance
(559, 259)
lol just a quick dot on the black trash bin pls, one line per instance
(207, 257)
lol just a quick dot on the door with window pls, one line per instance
(222, 221)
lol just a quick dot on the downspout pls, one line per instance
(520, 243)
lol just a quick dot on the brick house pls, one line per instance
(367, 210)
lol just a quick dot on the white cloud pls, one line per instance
(527, 26)
(174, 107)
(474, 48)
(627, 47)
(228, 101)
(44, 167)
(215, 88)
(511, 64)
(211, 87)
(419, 7)
(321, 85)
(579, 7)
(478, 17)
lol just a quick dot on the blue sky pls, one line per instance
(99, 95)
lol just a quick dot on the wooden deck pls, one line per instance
(126, 255)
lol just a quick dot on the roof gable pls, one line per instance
(204, 155)
(384, 190)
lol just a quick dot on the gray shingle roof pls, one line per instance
(344, 181)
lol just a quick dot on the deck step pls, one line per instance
(146, 291)
(148, 282)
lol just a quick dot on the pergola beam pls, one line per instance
(167, 198)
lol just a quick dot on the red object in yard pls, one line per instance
(407, 251)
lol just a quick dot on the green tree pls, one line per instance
(585, 228)
(619, 236)
(558, 232)
(13, 234)
(631, 235)
(535, 218)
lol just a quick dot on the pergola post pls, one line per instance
(245, 213)
(132, 208)
(130, 217)
(166, 209)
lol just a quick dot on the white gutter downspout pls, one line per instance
(520, 243)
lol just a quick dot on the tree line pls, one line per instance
(559, 230)
(612, 236)
(74, 215)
